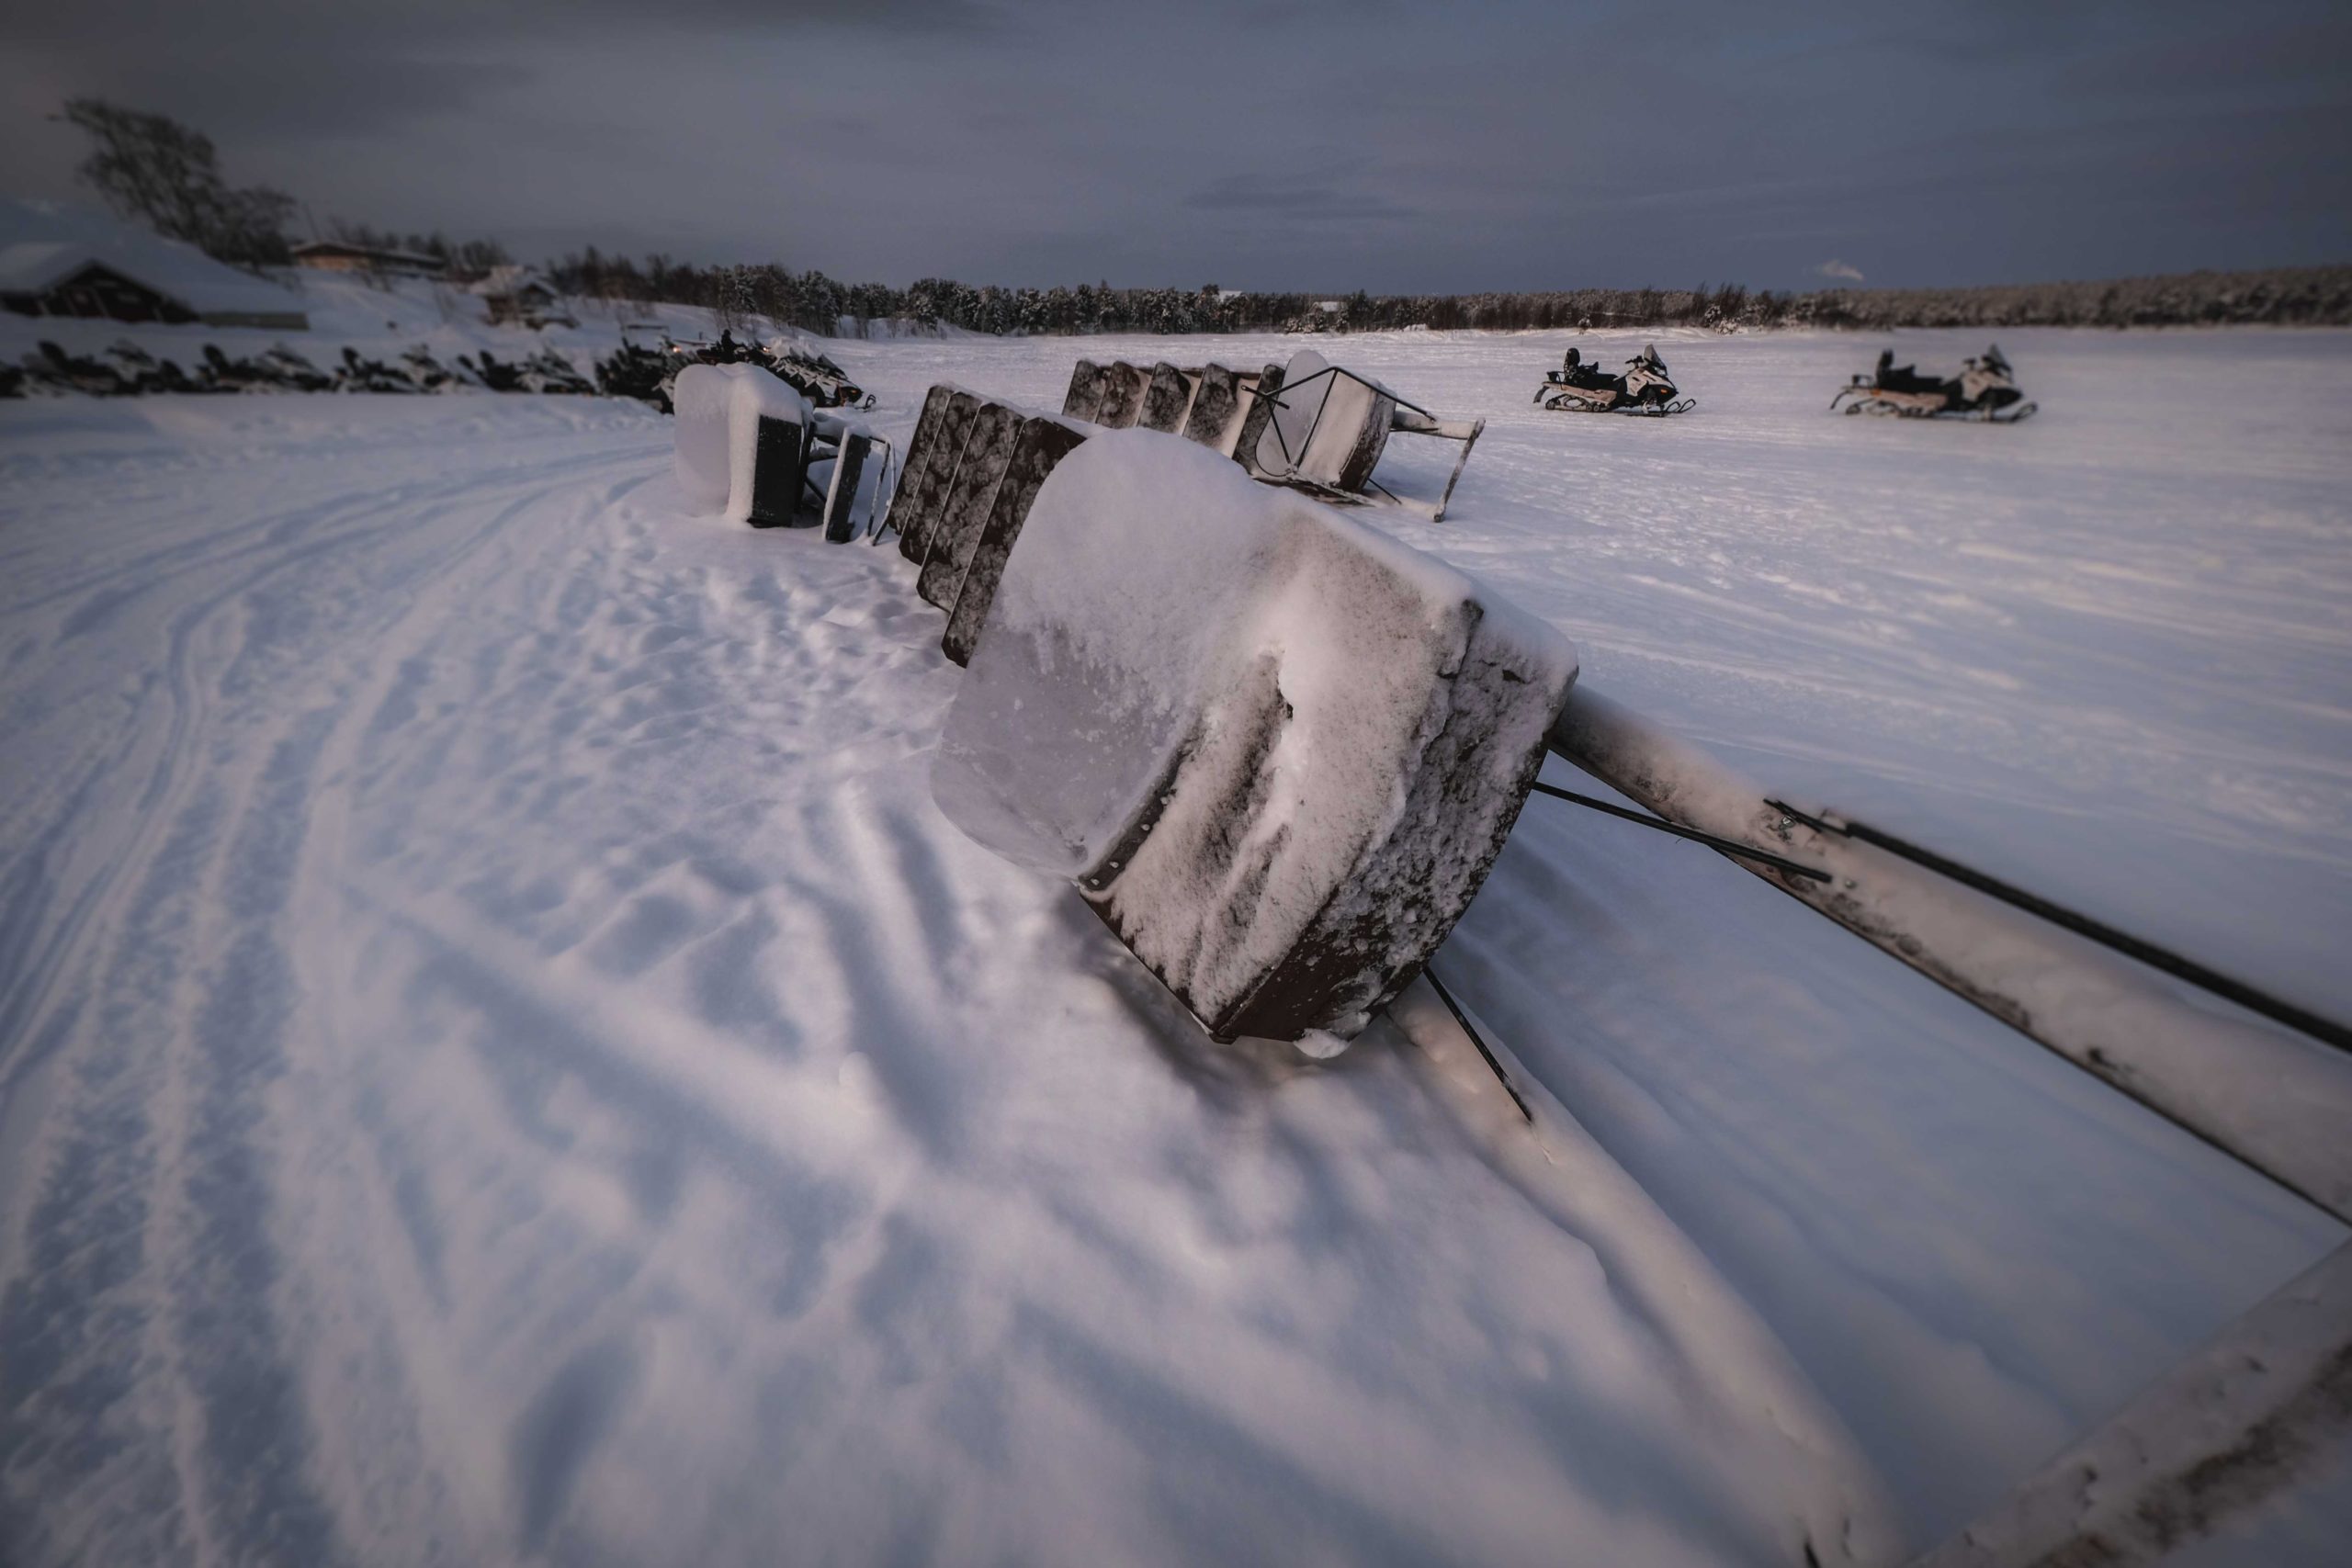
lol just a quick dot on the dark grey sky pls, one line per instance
(1314, 145)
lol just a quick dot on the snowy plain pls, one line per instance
(502, 1060)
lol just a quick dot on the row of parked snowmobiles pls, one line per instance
(1985, 389)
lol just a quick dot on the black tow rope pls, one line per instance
(2163, 959)
(1501, 1077)
(1726, 846)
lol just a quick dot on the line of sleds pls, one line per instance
(1985, 389)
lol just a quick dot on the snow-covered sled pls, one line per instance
(1986, 390)
(1310, 425)
(753, 448)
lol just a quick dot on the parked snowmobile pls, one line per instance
(1985, 389)
(1581, 386)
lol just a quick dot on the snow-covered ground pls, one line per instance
(501, 1059)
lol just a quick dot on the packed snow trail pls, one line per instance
(500, 1059)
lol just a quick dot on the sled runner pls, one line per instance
(1581, 386)
(1986, 390)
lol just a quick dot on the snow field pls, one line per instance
(501, 1059)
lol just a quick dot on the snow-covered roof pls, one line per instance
(43, 245)
(33, 266)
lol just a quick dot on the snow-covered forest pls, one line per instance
(2285, 296)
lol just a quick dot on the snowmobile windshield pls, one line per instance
(1994, 361)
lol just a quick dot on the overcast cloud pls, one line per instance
(1389, 146)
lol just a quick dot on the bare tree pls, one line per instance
(152, 167)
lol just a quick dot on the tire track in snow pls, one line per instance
(147, 1270)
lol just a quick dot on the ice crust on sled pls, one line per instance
(1276, 749)
(715, 441)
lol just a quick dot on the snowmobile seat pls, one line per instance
(1906, 378)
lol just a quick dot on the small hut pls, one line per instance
(519, 296)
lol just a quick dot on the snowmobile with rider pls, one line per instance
(1985, 389)
(1579, 386)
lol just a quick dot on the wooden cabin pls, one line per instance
(519, 297)
(152, 281)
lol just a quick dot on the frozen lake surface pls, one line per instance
(502, 1060)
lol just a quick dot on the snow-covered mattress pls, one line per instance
(1276, 749)
(716, 439)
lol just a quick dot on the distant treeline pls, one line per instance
(816, 302)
